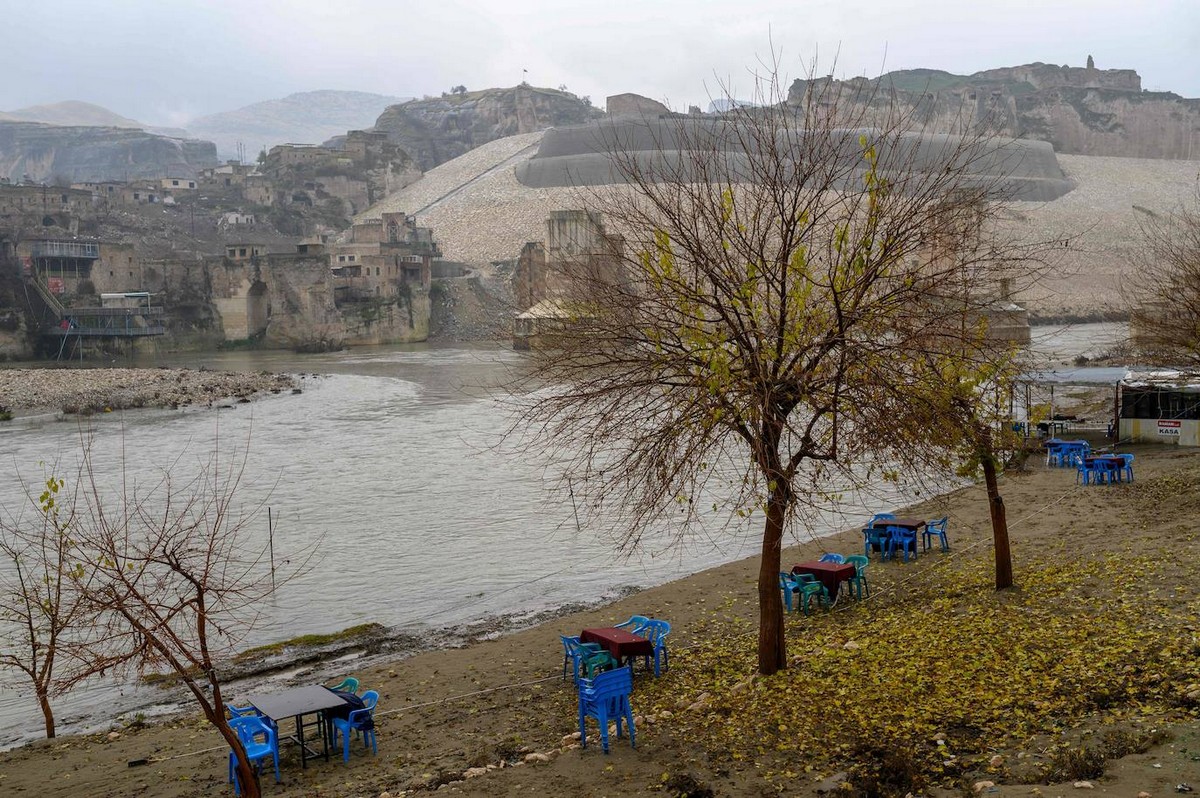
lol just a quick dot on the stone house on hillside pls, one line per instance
(383, 257)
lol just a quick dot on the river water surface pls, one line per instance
(390, 463)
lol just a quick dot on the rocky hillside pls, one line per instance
(1080, 110)
(434, 131)
(74, 154)
(306, 118)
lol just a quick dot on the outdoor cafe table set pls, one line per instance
(323, 707)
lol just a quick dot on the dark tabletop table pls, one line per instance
(620, 643)
(914, 524)
(829, 574)
(296, 703)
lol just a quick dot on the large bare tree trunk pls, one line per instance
(1004, 575)
(772, 651)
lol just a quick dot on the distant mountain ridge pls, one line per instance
(74, 113)
(309, 117)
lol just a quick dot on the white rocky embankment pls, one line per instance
(88, 390)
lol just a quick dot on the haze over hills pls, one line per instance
(308, 117)
(74, 113)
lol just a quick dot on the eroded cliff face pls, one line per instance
(288, 302)
(78, 154)
(1080, 110)
(436, 130)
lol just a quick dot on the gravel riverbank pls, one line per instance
(92, 390)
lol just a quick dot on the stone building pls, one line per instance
(383, 257)
(31, 200)
(178, 184)
(576, 245)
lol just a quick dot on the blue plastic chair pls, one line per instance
(938, 528)
(249, 728)
(1085, 472)
(788, 586)
(877, 537)
(606, 698)
(904, 538)
(832, 557)
(859, 583)
(635, 624)
(656, 632)
(360, 720)
(1105, 471)
(576, 652)
(1128, 467)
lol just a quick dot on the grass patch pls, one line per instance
(942, 674)
(311, 641)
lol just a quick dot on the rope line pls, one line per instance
(405, 708)
(984, 541)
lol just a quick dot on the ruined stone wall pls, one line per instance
(1076, 109)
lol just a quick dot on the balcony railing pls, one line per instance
(66, 249)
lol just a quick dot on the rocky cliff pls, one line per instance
(75, 154)
(434, 131)
(1080, 110)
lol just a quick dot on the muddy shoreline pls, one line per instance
(85, 390)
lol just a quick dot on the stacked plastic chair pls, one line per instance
(605, 698)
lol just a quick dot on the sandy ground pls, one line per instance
(497, 701)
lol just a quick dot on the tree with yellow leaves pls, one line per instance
(787, 272)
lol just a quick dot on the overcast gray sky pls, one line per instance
(166, 61)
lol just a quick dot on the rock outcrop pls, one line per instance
(437, 130)
(634, 105)
(1079, 110)
(78, 154)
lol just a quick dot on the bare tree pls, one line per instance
(1165, 317)
(175, 577)
(789, 272)
(45, 623)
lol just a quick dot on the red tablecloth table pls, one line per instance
(620, 643)
(829, 574)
